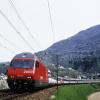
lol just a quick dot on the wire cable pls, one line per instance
(51, 22)
(6, 48)
(11, 43)
(16, 30)
(20, 18)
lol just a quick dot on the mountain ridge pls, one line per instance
(84, 44)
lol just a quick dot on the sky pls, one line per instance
(68, 18)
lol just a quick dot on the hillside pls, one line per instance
(81, 52)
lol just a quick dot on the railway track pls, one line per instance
(7, 94)
(37, 94)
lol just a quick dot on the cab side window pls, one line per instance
(11, 64)
(37, 64)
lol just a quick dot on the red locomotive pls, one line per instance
(26, 70)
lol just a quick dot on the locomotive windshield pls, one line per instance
(22, 63)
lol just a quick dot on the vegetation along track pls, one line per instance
(37, 94)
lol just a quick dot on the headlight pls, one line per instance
(29, 77)
(11, 76)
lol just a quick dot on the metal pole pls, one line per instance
(57, 69)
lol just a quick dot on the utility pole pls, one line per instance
(57, 69)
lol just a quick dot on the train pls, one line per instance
(26, 70)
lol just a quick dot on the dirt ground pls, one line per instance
(94, 96)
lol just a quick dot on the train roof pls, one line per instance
(26, 55)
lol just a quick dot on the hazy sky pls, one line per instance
(68, 18)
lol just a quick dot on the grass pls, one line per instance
(76, 92)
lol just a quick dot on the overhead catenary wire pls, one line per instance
(20, 35)
(51, 21)
(52, 28)
(11, 43)
(6, 48)
(20, 18)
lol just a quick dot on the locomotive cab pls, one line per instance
(26, 70)
(21, 68)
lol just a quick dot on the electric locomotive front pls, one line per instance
(26, 70)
